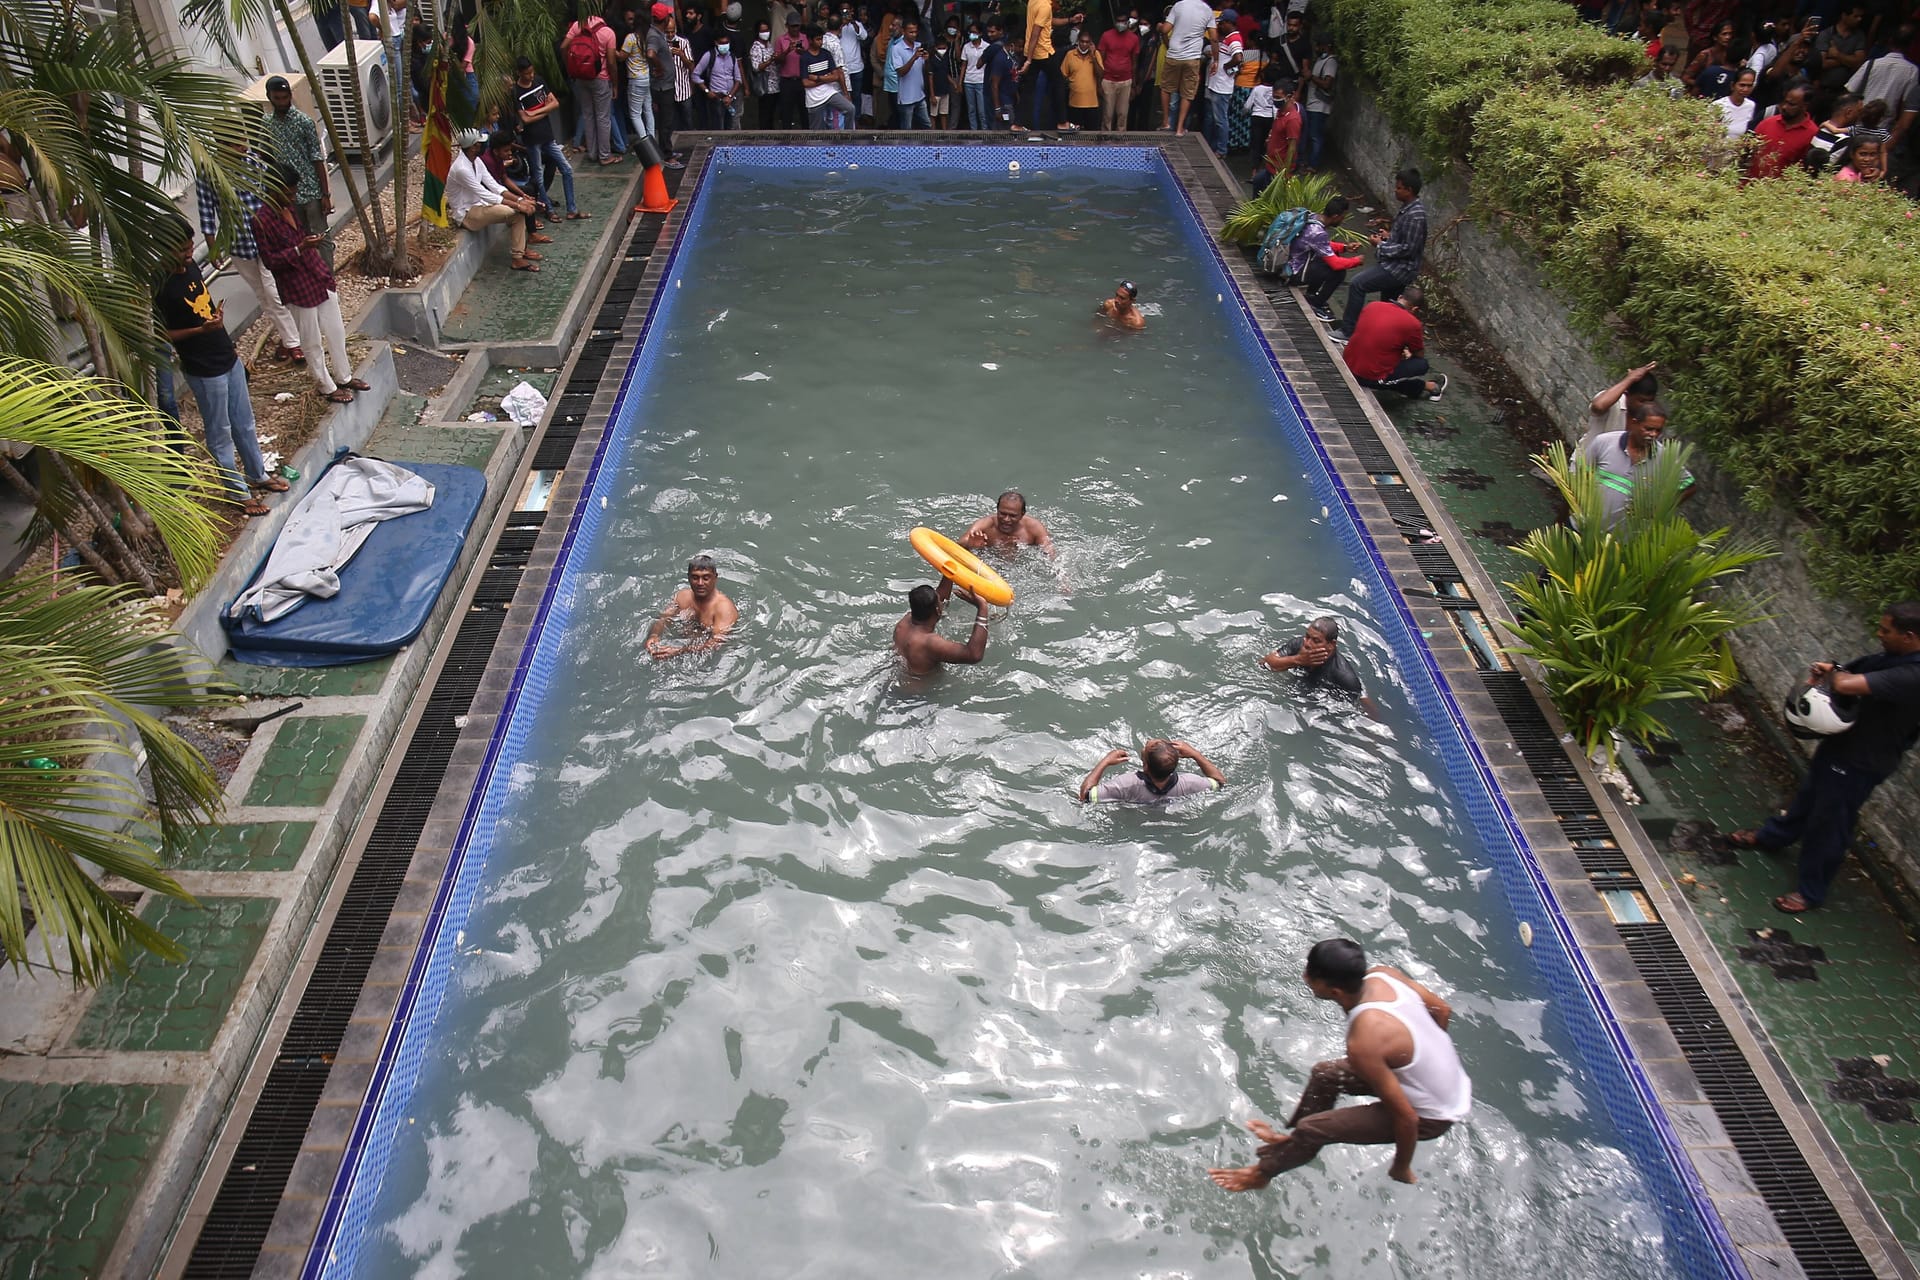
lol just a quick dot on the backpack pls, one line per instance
(582, 53)
(1277, 245)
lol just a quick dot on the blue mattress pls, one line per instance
(386, 591)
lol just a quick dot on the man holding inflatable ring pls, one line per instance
(917, 638)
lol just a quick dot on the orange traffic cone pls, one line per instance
(653, 184)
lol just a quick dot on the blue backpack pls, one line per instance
(1277, 244)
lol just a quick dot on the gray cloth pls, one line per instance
(1133, 789)
(324, 531)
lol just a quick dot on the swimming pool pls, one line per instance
(759, 963)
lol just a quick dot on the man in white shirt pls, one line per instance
(853, 39)
(475, 201)
(1222, 70)
(1186, 28)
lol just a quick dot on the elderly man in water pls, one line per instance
(1120, 307)
(1158, 781)
(917, 639)
(1009, 526)
(701, 607)
(1317, 658)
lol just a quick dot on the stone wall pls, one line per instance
(1501, 288)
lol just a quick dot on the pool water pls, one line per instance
(781, 967)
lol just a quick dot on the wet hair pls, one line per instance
(1338, 962)
(1642, 410)
(1161, 760)
(1413, 295)
(923, 602)
(1410, 177)
(702, 562)
(1012, 493)
(1905, 616)
(1337, 206)
(1327, 628)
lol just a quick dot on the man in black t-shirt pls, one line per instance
(1317, 658)
(1848, 765)
(536, 105)
(198, 331)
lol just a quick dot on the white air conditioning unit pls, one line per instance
(372, 124)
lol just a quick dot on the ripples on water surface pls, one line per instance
(782, 971)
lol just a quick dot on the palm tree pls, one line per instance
(81, 673)
(1629, 616)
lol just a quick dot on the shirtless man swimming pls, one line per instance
(703, 604)
(917, 638)
(1120, 309)
(1009, 526)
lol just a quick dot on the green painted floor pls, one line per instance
(1838, 989)
(504, 305)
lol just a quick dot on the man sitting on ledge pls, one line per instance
(475, 201)
(1385, 350)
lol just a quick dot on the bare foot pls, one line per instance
(1247, 1179)
(1265, 1132)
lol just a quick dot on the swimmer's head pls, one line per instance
(702, 573)
(1325, 630)
(1128, 288)
(1338, 963)
(1160, 759)
(1009, 511)
(924, 603)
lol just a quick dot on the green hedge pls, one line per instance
(1782, 313)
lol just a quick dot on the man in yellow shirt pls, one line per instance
(1043, 57)
(1082, 69)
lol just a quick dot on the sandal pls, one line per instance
(339, 395)
(272, 484)
(253, 509)
(1746, 839)
(1792, 904)
(539, 239)
(578, 215)
(356, 384)
(524, 265)
(531, 256)
(296, 356)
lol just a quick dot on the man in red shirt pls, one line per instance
(1118, 49)
(1785, 137)
(1283, 140)
(1384, 352)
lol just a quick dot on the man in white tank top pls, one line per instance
(1397, 1051)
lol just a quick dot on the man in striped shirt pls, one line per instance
(245, 254)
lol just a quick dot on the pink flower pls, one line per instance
(1865, 325)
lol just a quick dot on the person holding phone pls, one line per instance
(306, 285)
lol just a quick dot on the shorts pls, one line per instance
(938, 105)
(1181, 77)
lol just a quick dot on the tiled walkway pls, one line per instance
(83, 1123)
(1839, 989)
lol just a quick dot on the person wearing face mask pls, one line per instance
(1119, 48)
(1146, 99)
(765, 75)
(943, 73)
(973, 77)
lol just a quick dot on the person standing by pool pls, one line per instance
(1009, 526)
(1848, 766)
(821, 81)
(1120, 307)
(917, 639)
(1316, 656)
(908, 60)
(1398, 1052)
(1157, 781)
(700, 603)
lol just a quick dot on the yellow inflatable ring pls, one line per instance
(960, 565)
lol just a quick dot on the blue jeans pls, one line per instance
(1313, 137)
(1821, 818)
(1368, 280)
(912, 115)
(1219, 109)
(227, 412)
(977, 105)
(537, 158)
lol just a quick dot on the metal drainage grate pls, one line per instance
(1821, 1243)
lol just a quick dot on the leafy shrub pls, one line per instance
(1249, 220)
(1626, 618)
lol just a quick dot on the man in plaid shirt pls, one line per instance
(245, 253)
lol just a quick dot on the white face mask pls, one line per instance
(763, 35)
(975, 37)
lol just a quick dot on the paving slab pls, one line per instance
(158, 1004)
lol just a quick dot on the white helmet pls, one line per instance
(1813, 712)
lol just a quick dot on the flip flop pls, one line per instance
(1746, 839)
(580, 215)
(272, 484)
(531, 256)
(1792, 904)
(339, 395)
(540, 239)
(254, 509)
(524, 266)
(357, 385)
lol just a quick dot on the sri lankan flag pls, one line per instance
(436, 144)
